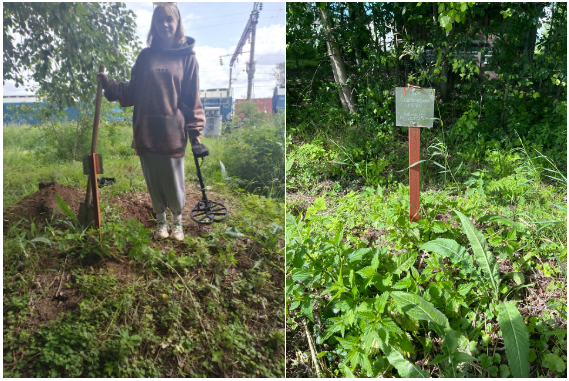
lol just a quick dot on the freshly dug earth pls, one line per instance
(54, 292)
(139, 206)
(42, 205)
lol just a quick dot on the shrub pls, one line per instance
(255, 156)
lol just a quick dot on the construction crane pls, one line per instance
(248, 33)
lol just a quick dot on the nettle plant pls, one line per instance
(374, 307)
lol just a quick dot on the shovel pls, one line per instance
(89, 212)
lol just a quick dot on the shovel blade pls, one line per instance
(86, 214)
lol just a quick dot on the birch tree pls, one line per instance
(338, 66)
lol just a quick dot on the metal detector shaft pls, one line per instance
(202, 186)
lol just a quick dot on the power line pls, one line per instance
(244, 87)
(241, 13)
(211, 26)
(214, 17)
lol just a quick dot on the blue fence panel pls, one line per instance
(224, 105)
(8, 110)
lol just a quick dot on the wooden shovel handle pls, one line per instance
(92, 179)
(97, 112)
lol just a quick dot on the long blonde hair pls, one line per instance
(172, 10)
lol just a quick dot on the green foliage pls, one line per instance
(483, 256)
(404, 367)
(248, 114)
(279, 73)
(254, 155)
(377, 307)
(307, 164)
(114, 302)
(555, 363)
(64, 139)
(78, 36)
(517, 87)
(516, 339)
(449, 13)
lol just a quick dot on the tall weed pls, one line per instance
(255, 156)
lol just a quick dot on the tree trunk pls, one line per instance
(503, 116)
(396, 43)
(338, 65)
(77, 132)
(444, 83)
(385, 54)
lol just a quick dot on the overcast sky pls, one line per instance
(217, 28)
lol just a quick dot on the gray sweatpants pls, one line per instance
(165, 181)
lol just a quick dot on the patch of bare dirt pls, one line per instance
(445, 218)
(298, 203)
(536, 298)
(121, 269)
(55, 293)
(42, 205)
(296, 349)
(372, 235)
(51, 296)
(139, 206)
(134, 205)
(244, 262)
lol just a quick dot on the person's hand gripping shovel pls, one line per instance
(89, 212)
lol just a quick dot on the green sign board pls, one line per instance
(414, 107)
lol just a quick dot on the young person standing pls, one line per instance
(164, 90)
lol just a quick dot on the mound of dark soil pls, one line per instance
(139, 206)
(42, 205)
(135, 205)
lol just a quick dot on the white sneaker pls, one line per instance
(177, 232)
(161, 231)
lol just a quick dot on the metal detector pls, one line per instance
(206, 211)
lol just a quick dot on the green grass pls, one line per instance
(119, 304)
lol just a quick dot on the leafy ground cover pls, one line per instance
(476, 288)
(116, 303)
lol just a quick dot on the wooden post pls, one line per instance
(414, 108)
(414, 156)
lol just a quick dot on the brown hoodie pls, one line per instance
(164, 90)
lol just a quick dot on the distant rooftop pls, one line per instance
(19, 98)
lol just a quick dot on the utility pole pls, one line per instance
(251, 65)
(249, 31)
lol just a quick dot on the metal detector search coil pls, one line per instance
(206, 211)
